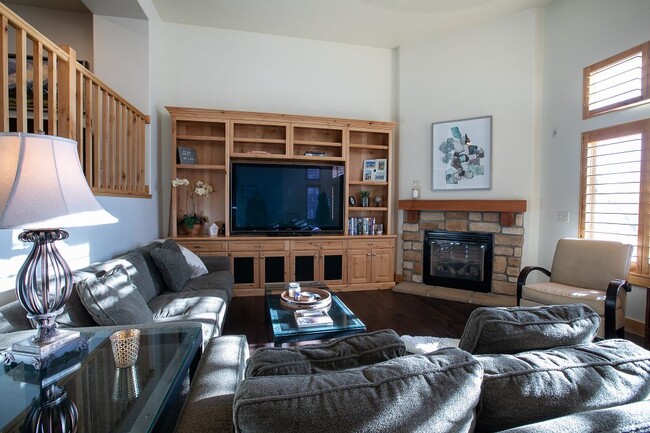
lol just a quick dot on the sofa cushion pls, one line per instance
(517, 329)
(194, 262)
(221, 280)
(139, 273)
(629, 418)
(74, 312)
(208, 407)
(158, 280)
(172, 265)
(187, 303)
(207, 307)
(135, 265)
(437, 392)
(535, 386)
(342, 353)
(13, 317)
(111, 299)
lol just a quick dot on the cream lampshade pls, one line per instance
(42, 189)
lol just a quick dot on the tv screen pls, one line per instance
(286, 198)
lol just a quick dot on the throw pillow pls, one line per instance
(347, 352)
(111, 299)
(194, 262)
(517, 329)
(535, 386)
(172, 265)
(417, 393)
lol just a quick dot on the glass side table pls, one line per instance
(283, 323)
(87, 385)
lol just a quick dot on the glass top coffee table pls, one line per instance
(102, 397)
(283, 323)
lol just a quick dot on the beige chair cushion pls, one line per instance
(590, 264)
(532, 298)
(554, 293)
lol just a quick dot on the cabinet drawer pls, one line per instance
(204, 246)
(371, 243)
(310, 245)
(256, 246)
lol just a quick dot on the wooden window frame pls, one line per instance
(639, 268)
(645, 82)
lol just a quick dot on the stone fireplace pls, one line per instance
(503, 220)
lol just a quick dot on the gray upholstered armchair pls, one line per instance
(584, 271)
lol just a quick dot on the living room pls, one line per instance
(521, 66)
(530, 65)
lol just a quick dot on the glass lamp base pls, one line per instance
(40, 355)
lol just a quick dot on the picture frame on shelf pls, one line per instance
(379, 177)
(462, 154)
(187, 155)
(379, 174)
(369, 168)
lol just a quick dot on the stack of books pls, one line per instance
(307, 318)
(361, 226)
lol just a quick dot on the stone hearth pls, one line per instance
(507, 226)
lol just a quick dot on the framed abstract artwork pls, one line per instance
(462, 154)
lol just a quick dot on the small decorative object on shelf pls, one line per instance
(352, 200)
(379, 229)
(377, 201)
(415, 190)
(365, 198)
(191, 223)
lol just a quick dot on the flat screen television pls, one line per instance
(286, 199)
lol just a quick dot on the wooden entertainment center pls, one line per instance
(345, 261)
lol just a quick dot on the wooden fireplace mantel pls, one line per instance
(507, 208)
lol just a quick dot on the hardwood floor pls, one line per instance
(378, 309)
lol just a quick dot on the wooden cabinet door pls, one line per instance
(332, 266)
(246, 269)
(359, 262)
(274, 266)
(382, 266)
(305, 265)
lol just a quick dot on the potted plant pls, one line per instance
(365, 197)
(191, 223)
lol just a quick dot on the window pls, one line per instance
(617, 82)
(615, 190)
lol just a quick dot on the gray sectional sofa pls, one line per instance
(515, 370)
(152, 284)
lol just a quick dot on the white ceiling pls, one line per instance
(375, 23)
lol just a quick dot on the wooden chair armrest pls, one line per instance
(611, 296)
(523, 275)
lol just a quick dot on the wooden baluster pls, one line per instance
(66, 90)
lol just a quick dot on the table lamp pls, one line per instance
(42, 189)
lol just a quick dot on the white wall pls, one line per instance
(493, 69)
(224, 69)
(579, 33)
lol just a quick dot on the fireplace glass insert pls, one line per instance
(461, 260)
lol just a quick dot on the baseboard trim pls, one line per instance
(635, 327)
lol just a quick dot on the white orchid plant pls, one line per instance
(201, 189)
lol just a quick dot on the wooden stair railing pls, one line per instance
(57, 95)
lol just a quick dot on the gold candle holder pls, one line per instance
(125, 345)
